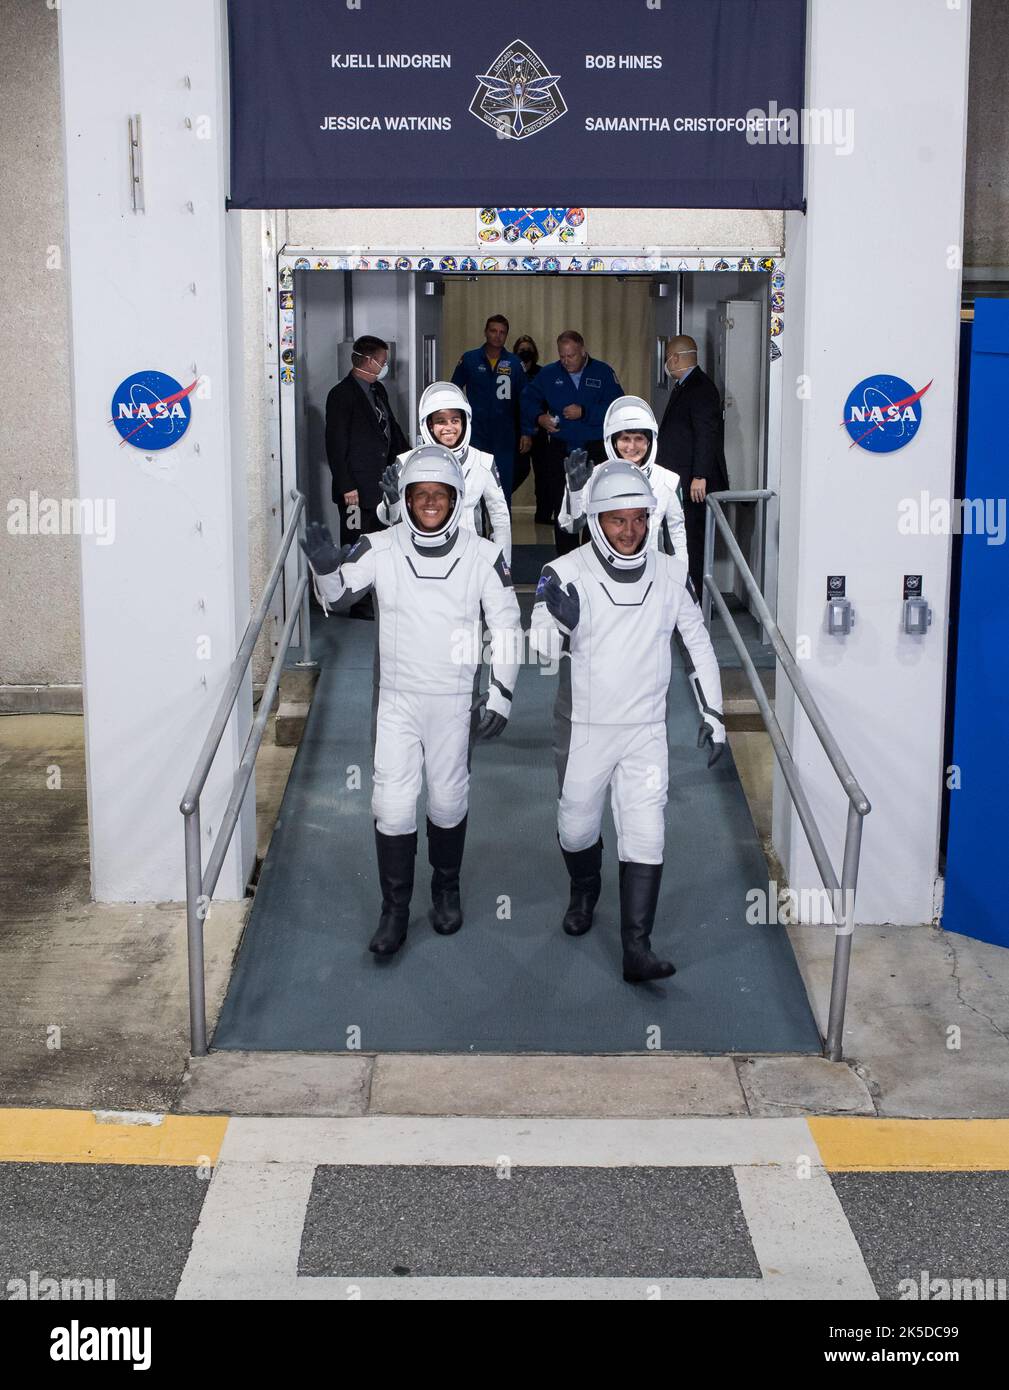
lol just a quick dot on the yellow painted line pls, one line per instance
(851, 1145)
(77, 1136)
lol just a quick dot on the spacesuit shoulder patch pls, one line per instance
(503, 572)
(547, 574)
(361, 547)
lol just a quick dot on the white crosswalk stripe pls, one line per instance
(249, 1236)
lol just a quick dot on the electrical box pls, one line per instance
(840, 614)
(917, 616)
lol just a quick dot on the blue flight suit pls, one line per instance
(552, 389)
(493, 396)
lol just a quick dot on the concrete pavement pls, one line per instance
(93, 1001)
(406, 1208)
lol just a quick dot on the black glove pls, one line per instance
(564, 606)
(578, 469)
(389, 483)
(704, 736)
(318, 545)
(491, 724)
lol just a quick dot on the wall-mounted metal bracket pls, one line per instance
(136, 165)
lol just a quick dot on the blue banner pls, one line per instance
(455, 103)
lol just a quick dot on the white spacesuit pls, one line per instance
(608, 610)
(666, 528)
(479, 470)
(431, 579)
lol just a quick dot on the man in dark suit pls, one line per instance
(362, 439)
(691, 443)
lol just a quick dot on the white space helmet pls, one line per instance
(617, 486)
(442, 395)
(432, 463)
(631, 413)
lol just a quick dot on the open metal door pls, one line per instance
(321, 327)
(740, 366)
(667, 309)
(427, 299)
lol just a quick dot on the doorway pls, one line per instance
(510, 981)
(431, 316)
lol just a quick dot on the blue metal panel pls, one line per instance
(956, 564)
(975, 902)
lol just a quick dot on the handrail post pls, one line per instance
(843, 894)
(194, 934)
(306, 616)
(199, 890)
(833, 1046)
(709, 565)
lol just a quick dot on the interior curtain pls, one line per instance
(613, 316)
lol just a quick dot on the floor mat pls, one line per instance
(510, 980)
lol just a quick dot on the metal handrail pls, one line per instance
(842, 895)
(200, 885)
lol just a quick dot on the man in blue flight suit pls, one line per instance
(569, 399)
(493, 380)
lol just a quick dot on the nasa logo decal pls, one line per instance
(151, 410)
(883, 413)
(518, 96)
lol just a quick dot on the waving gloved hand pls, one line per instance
(563, 605)
(322, 552)
(578, 469)
(706, 738)
(389, 483)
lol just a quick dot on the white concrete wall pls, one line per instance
(259, 394)
(614, 229)
(157, 289)
(40, 588)
(869, 279)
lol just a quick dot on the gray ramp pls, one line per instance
(510, 980)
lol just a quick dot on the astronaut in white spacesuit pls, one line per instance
(446, 418)
(431, 579)
(610, 608)
(630, 432)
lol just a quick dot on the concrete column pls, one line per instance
(873, 287)
(164, 605)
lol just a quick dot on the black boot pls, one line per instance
(396, 855)
(444, 853)
(586, 882)
(639, 896)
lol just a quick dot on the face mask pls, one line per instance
(384, 372)
(526, 354)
